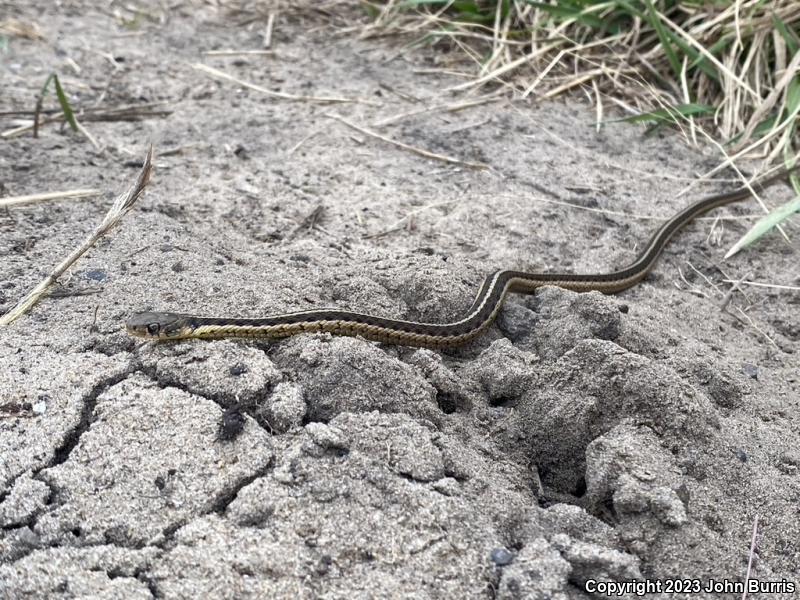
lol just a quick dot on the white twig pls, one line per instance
(414, 149)
(30, 199)
(774, 286)
(324, 99)
(752, 554)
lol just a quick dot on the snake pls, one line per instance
(484, 310)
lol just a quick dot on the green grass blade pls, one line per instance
(664, 37)
(763, 128)
(629, 9)
(46, 84)
(372, 11)
(465, 10)
(65, 107)
(793, 108)
(793, 95)
(699, 60)
(566, 12)
(765, 224)
(789, 36)
(62, 100)
(415, 3)
(669, 114)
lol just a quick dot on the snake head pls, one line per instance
(159, 325)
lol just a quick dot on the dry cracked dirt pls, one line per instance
(582, 438)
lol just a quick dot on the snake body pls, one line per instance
(484, 310)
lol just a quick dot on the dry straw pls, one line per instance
(731, 69)
(10, 201)
(118, 210)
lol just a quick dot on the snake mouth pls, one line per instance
(136, 332)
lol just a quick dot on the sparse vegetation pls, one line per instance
(725, 72)
(728, 68)
(63, 102)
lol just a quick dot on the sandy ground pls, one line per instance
(582, 438)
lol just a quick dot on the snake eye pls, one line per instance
(152, 328)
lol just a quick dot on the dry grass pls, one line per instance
(21, 29)
(122, 205)
(413, 149)
(10, 201)
(729, 69)
(217, 74)
(725, 73)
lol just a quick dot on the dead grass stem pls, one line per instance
(216, 73)
(10, 201)
(118, 210)
(404, 146)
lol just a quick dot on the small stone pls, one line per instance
(231, 425)
(750, 370)
(447, 486)
(96, 275)
(517, 321)
(502, 557)
(326, 436)
(284, 409)
(238, 369)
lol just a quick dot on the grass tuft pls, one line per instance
(729, 67)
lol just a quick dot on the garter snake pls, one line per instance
(487, 304)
